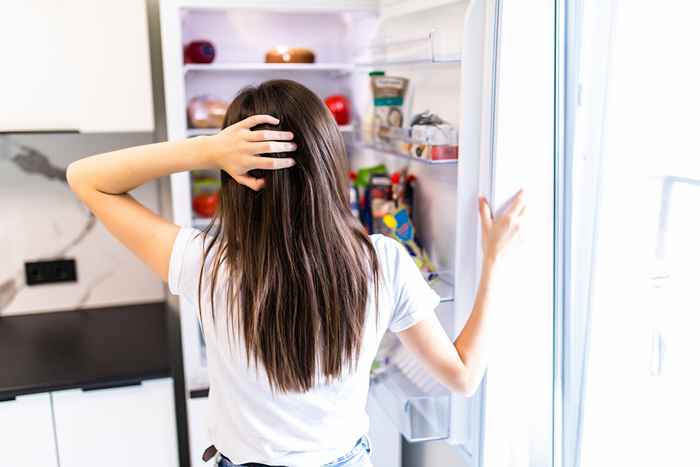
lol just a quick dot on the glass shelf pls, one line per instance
(443, 284)
(254, 67)
(202, 131)
(385, 149)
(400, 142)
(420, 414)
(200, 223)
(191, 132)
(418, 50)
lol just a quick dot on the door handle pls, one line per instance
(657, 353)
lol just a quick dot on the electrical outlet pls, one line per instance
(50, 272)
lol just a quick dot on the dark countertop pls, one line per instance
(89, 349)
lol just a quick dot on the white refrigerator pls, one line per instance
(452, 52)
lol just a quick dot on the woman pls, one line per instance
(293, 296)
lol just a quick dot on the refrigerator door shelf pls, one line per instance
(388, 150)
(419, 413)
(434, 48)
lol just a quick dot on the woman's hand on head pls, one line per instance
(498, 232)
(236, 149)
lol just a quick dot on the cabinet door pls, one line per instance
(198, 429)
(26, 432)
(81, 65)
(132, 425)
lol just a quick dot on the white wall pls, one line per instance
(42, 219)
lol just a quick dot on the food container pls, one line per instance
(284, 54)
(388, 96)
(434, 142)
(206, 112)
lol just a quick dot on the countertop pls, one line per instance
(88, 349)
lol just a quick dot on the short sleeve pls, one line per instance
(186, 263)
(414, 299)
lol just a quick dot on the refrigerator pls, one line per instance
(449, 50)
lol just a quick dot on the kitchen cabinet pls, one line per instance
(26, 431)
(131, 425)
(78, 65)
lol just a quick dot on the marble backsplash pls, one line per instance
(41, 219)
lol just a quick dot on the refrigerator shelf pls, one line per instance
(419, 413)
(200, 222)
(202, 131)
(395, 153)
(407, 62)
(191, 132)
(255, 67)
(443, 284)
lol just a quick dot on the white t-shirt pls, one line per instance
(250, 423)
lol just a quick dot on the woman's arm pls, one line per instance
(461, 365)
(103, 181)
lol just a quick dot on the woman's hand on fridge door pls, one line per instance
(460, 365)
(497, 232)
(237, 148)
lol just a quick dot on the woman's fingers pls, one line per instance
(521, 214)
(516, 205)
(269, 135)
(254, 120)
(522, 211)
(268, 163)
(251, 182)
(485, 215)
(268, 147)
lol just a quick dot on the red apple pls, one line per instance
(340, 108)
(205, 204)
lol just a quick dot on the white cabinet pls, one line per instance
(199, 434)
(81, 65)
(133, 425)
(26, 432)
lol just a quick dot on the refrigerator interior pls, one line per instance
(428, 46)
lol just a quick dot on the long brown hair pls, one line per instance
(298, 266)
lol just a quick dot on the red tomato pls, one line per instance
(205, 204)
(340, 108)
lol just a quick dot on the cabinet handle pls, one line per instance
(198, 393)
(114, 385)
(41, 132)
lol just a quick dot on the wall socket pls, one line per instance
(50, 272)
